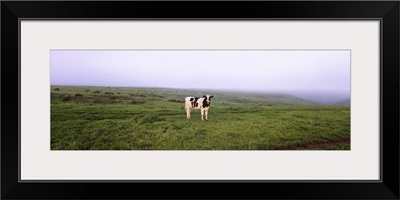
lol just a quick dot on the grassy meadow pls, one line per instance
(123, 118)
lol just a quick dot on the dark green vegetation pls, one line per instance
(111, 118)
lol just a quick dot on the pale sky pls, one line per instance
(316, 70)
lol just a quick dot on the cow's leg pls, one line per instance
(202, 114)
(188, 113)
(206, 114)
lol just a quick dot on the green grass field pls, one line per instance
(119, 118)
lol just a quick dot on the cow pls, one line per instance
(198, 103)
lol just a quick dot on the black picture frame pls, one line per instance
(386, 11)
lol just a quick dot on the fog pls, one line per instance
(315, 74)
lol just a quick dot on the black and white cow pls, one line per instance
(198, 103)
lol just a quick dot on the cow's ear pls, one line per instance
(204, 96)
(211, 97)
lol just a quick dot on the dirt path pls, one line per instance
(315, 145)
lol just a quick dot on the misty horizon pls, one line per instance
(292, 72)
(197, 89)
(317, 97)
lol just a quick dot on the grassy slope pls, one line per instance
(143, 118)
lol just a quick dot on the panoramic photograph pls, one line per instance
(200, 100)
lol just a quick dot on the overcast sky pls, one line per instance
(233, 70)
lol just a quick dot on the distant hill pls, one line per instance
(343, 102)
(143, 94)
(252, 98)
(322, 97)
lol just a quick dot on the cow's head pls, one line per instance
(208, 98)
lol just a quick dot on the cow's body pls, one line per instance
(198, 103)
